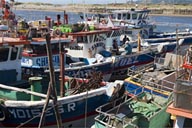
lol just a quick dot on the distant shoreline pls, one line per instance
(175, 15)
(156, 10)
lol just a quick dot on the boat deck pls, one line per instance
(134, 112)
(179, 111)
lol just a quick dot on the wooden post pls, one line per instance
(42, 119)
(62, 80)
(139, 42)
(52, 79)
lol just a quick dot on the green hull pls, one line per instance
(14, 95)
(147, 111)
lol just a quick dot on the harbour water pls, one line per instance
(163, 23)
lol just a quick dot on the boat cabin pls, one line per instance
(10, 59)
(136, 21)
(88, 44)
(34, 55)
(131, 17)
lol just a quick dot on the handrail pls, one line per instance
(139, 69)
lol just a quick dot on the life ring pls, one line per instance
(4, 113)
(57, 32)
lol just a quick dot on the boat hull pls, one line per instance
(78, 71)
(71, 108)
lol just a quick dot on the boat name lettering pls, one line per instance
(81, 73)
(43, 61)
(126, 61)
(98, 45)
(30, 113)
(76, 47)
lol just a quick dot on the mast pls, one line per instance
(62, 69)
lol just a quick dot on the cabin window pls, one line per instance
(4, 53)
(145, 15)
(14, 52)
(39, 49)
(81, 39)
(55, 47)
(20, 53)
(96, 38)
(140, 16)
(91, 38)
(119, 16)
(124, 16)
(134, 16)
(85, 40)
(128, 16)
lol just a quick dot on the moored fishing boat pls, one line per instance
(136, 20)
(133, 20)
(73, 109)
(143, 110)
(80, 59)
(158, 76)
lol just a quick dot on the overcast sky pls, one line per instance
(75, 1)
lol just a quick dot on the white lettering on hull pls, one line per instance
(29, 113)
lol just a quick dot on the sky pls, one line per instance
(75, 1)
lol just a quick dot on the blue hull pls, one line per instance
(71, 109)
(80, 72)
(105, 68)
(135, 89)
(125, 62)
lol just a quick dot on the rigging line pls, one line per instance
(22, 124)
(86, 109)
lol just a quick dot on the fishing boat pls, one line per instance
(158, 76)
(137, 21)
(142, 110)
(181, 112)
(22, 102)
(134, 20)
(79, 60)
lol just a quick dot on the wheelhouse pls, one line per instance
(131, 17)
(10, 59)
